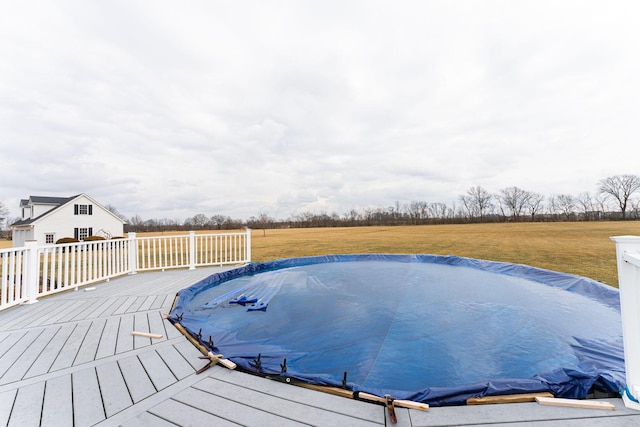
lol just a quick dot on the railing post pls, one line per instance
(247, 246)
(192, 250)
(629, 285)
(30, 280)
(133, 253)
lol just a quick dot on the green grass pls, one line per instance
(582, 248)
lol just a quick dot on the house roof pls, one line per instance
(46, 200)
(58, 201)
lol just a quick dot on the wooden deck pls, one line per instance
(70, 360)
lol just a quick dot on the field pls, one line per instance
(582, 248)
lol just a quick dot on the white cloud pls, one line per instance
(168, 110)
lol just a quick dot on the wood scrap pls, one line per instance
(574, 403)
(408, 404)
(145, 334)
(507, 398)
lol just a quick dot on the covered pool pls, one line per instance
(434, 329)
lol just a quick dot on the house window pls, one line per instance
(83, 209)
(49, 238)
(83, 233)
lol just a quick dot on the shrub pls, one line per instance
(93, 238)
(66, 240)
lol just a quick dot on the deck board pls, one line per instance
(57, 408)
(114, 391)
(88, 408)
(157, 370)
(138, 382)
(70, 359)
(24, 412)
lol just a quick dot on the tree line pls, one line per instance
(613, 200)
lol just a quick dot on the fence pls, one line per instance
(33, 271)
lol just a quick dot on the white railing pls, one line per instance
(628, 258)
(33, 271)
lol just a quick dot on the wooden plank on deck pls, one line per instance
(45, 359)
(109, 339)
(175, 362)
(115, 395)
(157, 370)
(87, 400)
(89, 346)
(186, 415)
(24, 412)
(7, 399)
(71, 348)
(57, 408)
(267, 402)
(125, 339)
(138, 382)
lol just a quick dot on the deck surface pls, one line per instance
(70, 360)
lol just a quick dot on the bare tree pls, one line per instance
(514, 200)
(477, 202)
(621, 188)
(534, 204)
(585, 201)
(566, 204)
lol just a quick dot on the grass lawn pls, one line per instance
(582, 248)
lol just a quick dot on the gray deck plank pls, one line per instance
(60, 311)
(146, 304)
(243, 414)
(124, 306)
(175, 362)
(89, 346)
(7, 399)
(191, 354)
(26, 316)
(172, 331)
(98, 310)
(9, 341)
(88, 307)
(187, 416)
(267, 402)
(125, 339)
(25, 413)
(116, 302)
(135, 307)
(57, 408)
(12, 359)
(138, 382)
(71, 348)
(159, 373)
(87, 400)
(109, 339)
(115, 395)
(147, 419)
(158, 302)
(45, 360)
(157, 326)
(354, 408)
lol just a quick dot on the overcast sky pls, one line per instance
(167, 109)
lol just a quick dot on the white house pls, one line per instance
(47, 219)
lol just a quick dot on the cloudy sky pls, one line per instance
(167, 109)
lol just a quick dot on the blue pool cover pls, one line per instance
(433, 329)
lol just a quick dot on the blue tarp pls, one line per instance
(434, 329)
